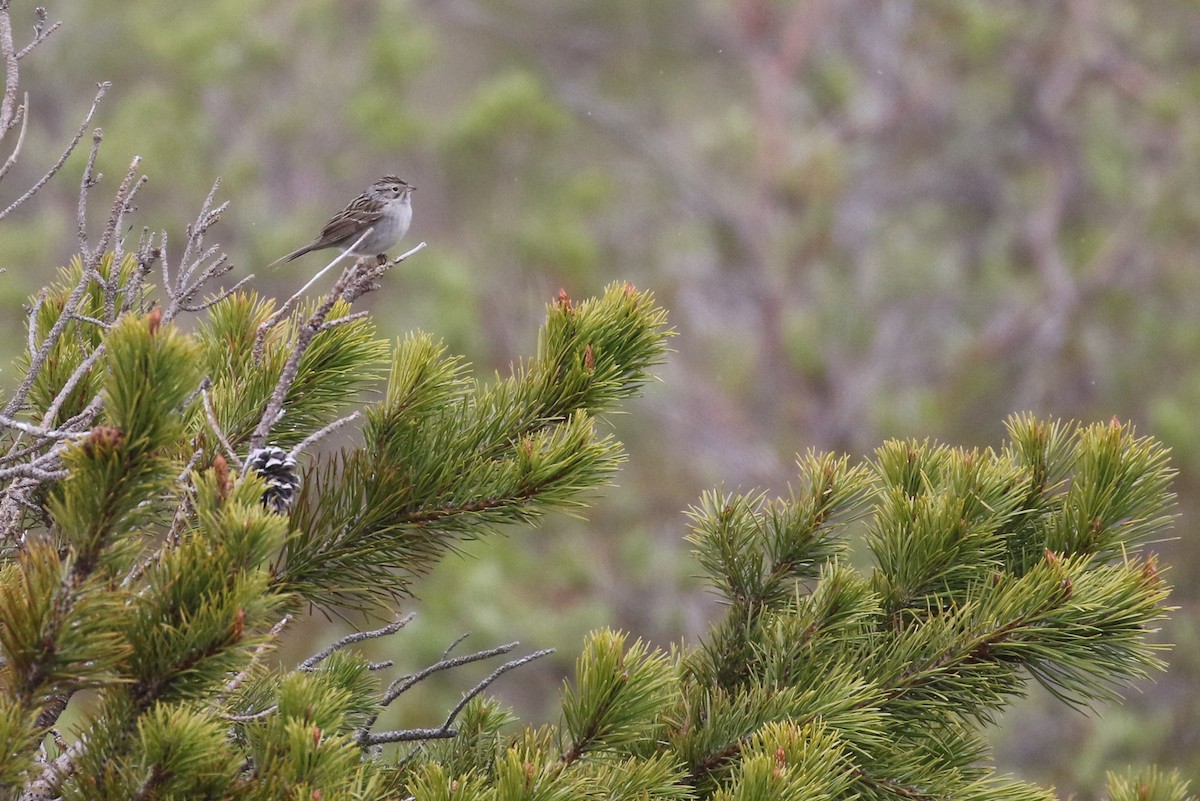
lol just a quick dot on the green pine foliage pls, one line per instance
(341, 362)
(152, 575)
(448, 457)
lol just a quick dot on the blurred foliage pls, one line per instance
(904, 221)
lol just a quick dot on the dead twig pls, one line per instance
(316, 659)
(87, 121)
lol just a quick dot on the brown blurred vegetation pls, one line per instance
(869, 219)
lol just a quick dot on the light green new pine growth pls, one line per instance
(432, 782)
(79, 336)
(18, 740)
(195, 622)
(306, 743)
(448, 457)
(58, 632)
(1046, 451)
(1080, 630)
(479, 739)
(1119, 495)
(184, 753)
(1148, 784)
(957, 617)
(1046, 448)
(941, 522)
(754, 549)
(618, 695)
(656, 777)
(522, 777)
(340, 362)
(121, 474)
(229, 516)
(422, 380)
(591, 355)
(791, 763)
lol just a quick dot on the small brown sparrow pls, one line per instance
(385, 208)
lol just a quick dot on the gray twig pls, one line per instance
(90, 178)
(68, 387)
(40, 32)
(36, 360)
(317, 436)
(23, 110)
(349, 318)
(274, 409)
(102, 88)
(311, 663)
(216, 426)
(283, 311)
(368, 280)
(11, 75)
(31, 472)
(34, 311)
(40, 431)
(237, 680)
(367, 738)
(405, 683)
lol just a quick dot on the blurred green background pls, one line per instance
(869, 219)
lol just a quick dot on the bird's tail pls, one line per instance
(295, 254)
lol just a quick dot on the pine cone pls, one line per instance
(278, 469)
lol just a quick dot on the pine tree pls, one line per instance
(151, 561)
(164, 512)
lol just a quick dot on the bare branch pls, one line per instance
(215, 426)
(37, 359)
(114, 220)
(273, 634)
(210, 263)
(52, 775)
(404, 736)
(274, 407)
(405, 683)
(311, 663)
(83, 318)
(16, 454)
(191, 464)
(317, 436)
(457, 641)
(489, 679)
(126, 207)
(40, 32)
(89, 179)
(286, 309)
(68, 387)
(253, 717)
(29, 471)
(39, 431)
(349, 318)
(34, 312)
(196, 231)
(368, 280)
(102, 88)
(12, 157)
(11, 76)
(85, 417)
(366, 738)
(215, 299)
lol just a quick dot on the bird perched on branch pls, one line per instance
(385, 210)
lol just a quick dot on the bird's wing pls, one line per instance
(348, 224)
(345, 226)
